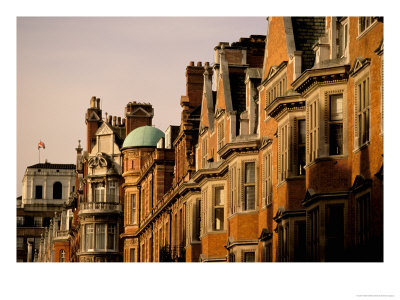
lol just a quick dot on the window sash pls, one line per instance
(100, 236)
(111, 232)
(133, 209)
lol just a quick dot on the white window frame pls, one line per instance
(113, 186)
(249, 184)
(38, 221)
(133, 210)
(267, 182)
(204, 150)
(284, 143)
(20, 242)
(312, 129)
(221, 133)
(338, 121)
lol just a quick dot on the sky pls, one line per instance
(63, 61)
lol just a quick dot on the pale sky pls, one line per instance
(63, 62)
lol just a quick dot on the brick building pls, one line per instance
(283, 161)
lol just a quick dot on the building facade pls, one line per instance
(46, 187)
(278, 156)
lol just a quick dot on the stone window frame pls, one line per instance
(214, 207)
(234, 180)
(267, 177)
(242, 174)
(343, 36)
(204, 151)
(359, 79)
(220, 133)
(132, 258)
(328, 121)
(133, 209)
(20, 221)
(94, 248)
(247, 249)
(312, 130)
(284, 155)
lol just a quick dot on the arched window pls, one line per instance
(62, 256)
(57, 190)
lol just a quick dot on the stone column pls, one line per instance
(30, 249)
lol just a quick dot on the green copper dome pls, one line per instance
(145, 136)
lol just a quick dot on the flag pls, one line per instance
(41, 145)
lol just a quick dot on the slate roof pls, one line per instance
(52, 166)
(307, 31)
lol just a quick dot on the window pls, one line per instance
(314, 234)
(38, 221)
(89, 237)
(112, 192)
(268, 178)
(132, 254)
(99, 193)
(362, 114)
(133, 209)
(219, 203)
(111, 233)
(37, 243)
(221, 134)
(100, 236)
(20, 243)
(301, 147)
(197, 220)
(234, 182)
(299, 241)
(204, 152)
(336, 124)
(267, 252)
(334, 232)
(363, 220)
(276, 90)
(249, 186)
(62, 256)
(57, 190)
(38, 192)
(20, 221)
(249, 256)
(313, 130)
(364, 23)
(283, 152)
(283, 243)
(231, 257)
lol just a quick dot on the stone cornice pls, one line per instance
(245, 146)
(281, 105)
(315, 77)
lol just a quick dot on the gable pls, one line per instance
(104, 129)
(359, 64)
(141, 112)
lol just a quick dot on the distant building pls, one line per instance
(46, 187)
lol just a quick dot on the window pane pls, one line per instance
(38, 192)
(336, 102)
(133, 206)
(219, 196)
(89, 237)
(302, 131)
(336, 139)
(100, 236)
(250, 192)
(38, 221)
(249, 257)
(219, 219)
(250, 172)
(111, 237)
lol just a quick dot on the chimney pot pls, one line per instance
(109, 119)
(207, 64)
(199, 64)
(98, 103)
(114, 120)
(191, 64)
(119, 121)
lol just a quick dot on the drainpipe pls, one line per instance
(139, 188)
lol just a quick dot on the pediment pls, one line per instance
(266, 234)
(309, 194)
(274, 70)
(265, 141)
(359, 64)
(379, 50)
(279, 213)
(93, 117)
(219, 112)
(104, 129)
(360, 183)
(141, 112)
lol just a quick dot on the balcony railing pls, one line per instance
(100, 207)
